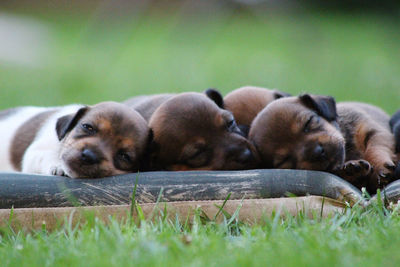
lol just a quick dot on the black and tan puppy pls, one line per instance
(76, 141)
(192, 132)
(246, 102)
(313, 133)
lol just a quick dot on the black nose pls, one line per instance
(88, 156)
(245, 156)
(319, 152)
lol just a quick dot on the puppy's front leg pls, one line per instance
(379, 151)
(42, 157)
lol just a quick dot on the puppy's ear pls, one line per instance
(396, 133)
(395, 119)
(325, 106)
(280, 94)
(215, 96)
(67, 123)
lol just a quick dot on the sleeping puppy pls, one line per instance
(192, 132)
(76, 141)
(246, 102)
(308, 132)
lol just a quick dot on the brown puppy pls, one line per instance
(246, 102)
(191, 132)
(76, 141)
(313, 133)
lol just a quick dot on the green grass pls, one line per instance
(91, 59)
(357, 237)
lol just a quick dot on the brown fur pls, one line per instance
(359, 146)
(24, 136)
(146, 105)
(192, 133)
(246, 102)
(118, 141)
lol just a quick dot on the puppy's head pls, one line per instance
(299, 133)
(102, 140)
(191, 132)
(246, 102)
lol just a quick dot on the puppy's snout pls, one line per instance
(88, 156)
(245, 156)
(241, 154)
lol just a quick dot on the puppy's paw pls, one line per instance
(385, 173)
(58, 171)
(357, 168)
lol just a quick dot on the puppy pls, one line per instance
(76, 141)
(246, 102)
(352, 140)
(192, 132)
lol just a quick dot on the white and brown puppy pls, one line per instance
(76, 141)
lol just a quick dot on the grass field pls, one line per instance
(91, 59)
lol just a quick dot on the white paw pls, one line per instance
(57, 170)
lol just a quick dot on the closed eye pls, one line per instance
(88, 128)
(123, 156)
(231, 125)
(311, 124)
(282, 162)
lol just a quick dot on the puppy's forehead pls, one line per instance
(116, 117)
(187, 110)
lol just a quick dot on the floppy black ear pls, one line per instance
(67, 123)
(215, 96)
(395, 119)
(280, 94)
(396, 133)
(325, 106)
(395, 126)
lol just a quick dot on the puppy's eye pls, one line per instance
(124, 157)
(198, 159)
(231, 125)
(311, 123)
(88, 128)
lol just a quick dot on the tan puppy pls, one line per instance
(192, 132)
(76, 141)
(246, 102)
(312, 132)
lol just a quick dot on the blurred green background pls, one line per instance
(54, 53)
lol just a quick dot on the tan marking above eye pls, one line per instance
(104, 124)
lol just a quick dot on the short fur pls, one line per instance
(352, 140)
(246, 102)
(76, 141)
(192, 132)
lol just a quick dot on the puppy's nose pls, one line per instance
(245, 156)
(88, 156)
(319, 152)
